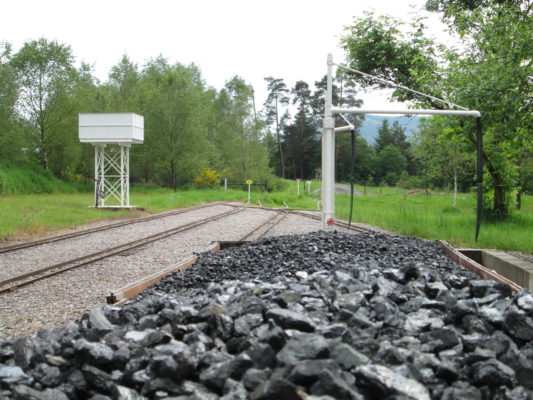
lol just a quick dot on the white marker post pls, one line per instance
(328, 155)
(308, 187)
(298, 187)
(249, 183)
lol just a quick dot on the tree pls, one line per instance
(277, 97)
(396, 137)
(343, 95)
(365, 158)
(390, 163)
(11, 139)
(443, 159)
(45, 73)
(124, 81)
(384, 136)
(301, 136)
(238, 134)
(177, 138)
(490, 75)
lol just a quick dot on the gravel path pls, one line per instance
(61, 299)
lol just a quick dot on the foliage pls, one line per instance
(237, 134)
(390, 163)
(46, 77)
(277, 97)
(11, 140)
(175, 98)
(365, 159)
(187, 124)
(208, 178)
(442, 157)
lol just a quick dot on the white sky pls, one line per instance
(287, 39)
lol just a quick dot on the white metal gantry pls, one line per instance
(328, 140)
(112, 136)
(111, 174)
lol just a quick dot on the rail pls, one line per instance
(55, 269)
(7, 249)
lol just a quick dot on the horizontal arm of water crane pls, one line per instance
(347, 128)
(467, 113)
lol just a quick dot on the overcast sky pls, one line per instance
(287, 39)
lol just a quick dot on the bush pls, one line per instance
(208, 178)
(410, 182)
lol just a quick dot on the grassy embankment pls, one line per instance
(427, 216)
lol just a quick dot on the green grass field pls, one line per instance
(428, 216)
(431, 216)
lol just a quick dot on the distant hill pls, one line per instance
(369, 129)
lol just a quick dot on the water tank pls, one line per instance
(119, 128)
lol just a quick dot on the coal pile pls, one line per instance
(317, 316)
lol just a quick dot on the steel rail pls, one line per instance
(91, 258)
(302, 212)
(283, 215)
(340, 224)
(276, 215)
(7, 249)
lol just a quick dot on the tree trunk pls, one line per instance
(454, 187)
(45, 159)
(282, 164)
(519, 199)
(499, 194)
(173, 172)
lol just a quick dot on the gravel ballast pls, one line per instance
(325, 315)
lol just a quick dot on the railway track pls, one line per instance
(269, 223)
(55, 269)
(49, 271)
(34, 243)
(340, 224)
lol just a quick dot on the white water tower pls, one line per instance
(112, 136)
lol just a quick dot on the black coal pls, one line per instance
(317, 316)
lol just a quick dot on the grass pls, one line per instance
(29, 214)
(428, 216)
(431, 216)
(31, 178)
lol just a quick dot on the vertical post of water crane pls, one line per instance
(328, 154)
(101, 169)
(122, 176)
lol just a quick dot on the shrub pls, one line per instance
(208, 178)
